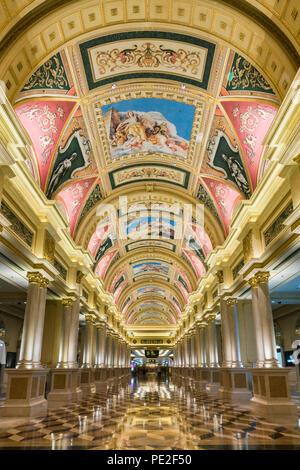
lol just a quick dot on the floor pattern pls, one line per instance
(148, 414)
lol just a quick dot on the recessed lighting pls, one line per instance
(113, 85)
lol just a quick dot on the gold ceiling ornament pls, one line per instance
(247, 246)
(67, 302)
(231, 301)
(79, 277)
(34, 277)
(297, 159)
(220, 276)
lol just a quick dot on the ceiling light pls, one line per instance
(183, 85)
(113, 85)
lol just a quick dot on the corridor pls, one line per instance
(148, 414)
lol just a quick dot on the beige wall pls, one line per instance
(13, 326)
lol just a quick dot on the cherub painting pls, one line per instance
(148, 125)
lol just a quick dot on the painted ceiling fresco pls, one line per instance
(157, 113)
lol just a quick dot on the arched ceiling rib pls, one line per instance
(161, 118)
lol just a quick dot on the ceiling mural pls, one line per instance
(167, 119)
(148, 125)
(140, 54)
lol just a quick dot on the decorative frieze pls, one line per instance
(278, 225)
(16, 225)
(237, 268)
(62, 271)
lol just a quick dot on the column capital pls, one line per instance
(67, 302)
(34, 277)
(231, 301)
(258, 278)
(89, 318)
(44, 282)
(211, 318)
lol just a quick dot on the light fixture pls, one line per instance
(182, 85)
(113, 85)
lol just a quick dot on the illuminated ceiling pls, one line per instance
(161, 117)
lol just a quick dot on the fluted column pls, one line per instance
(229, 334)
(30, 352)
(212, 352)
(200, 344)
(88, 343)
(109, 350)
(65, 337)
(101, 344)
(263, 321)
(39, 328)
(73, 335)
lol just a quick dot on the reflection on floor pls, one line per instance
(149, 414)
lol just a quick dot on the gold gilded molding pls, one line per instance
(79, 277)
(220, 276)
(211, 318)
(49, 247)
(247, 246)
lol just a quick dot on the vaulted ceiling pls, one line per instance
(161, 117)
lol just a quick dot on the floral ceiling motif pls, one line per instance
(125, 112)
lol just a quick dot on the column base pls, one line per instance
(214, 379)
(25, 395)
(234, 384)
(272, 395)
(87, 381)
(100, 379)
(64, 387)
(201, 378)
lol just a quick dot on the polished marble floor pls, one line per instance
(148, 414)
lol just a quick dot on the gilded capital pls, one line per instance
(67, 302)
(44, 282)
(89, 318)
(211, 318)
(260, 277)
(34, 277)
(231, 301)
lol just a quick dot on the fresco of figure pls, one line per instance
(59, 173)
(236, 172)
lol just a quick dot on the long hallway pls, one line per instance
(148, 414)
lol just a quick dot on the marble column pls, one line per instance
(263, 321)
(234, 378)
(65, 337)
(212, 352)
(213, 383)
(65, 378)
(100, 369)
(26, 384)
(32, 331)
(87, 375)
(229, 334)
(270, 381)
